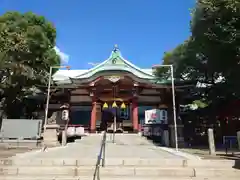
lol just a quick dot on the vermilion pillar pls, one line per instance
(93, 117)
(135, 115)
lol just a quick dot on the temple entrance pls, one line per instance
(123, 119)
(107, 117)
(109, 93)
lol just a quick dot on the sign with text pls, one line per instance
(156, 116)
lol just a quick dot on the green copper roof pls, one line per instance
(117, 63)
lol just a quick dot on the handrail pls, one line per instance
(100, 158)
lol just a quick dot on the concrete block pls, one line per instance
(70, 162)
(210, 172)
(6, 162)
(118, 171)
(45, 162)
(42, 162)
(165, 172)
(58, 162)
(211, 163)
(107, 177)
(238, 139)
(7, 171)
(153, 162)
(45, 171)
(87, 162)
(165, 138)
(211, 142)
(50, 136)
(114, 162)
(56, 171)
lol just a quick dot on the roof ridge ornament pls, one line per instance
(115, 55)
(115, 48)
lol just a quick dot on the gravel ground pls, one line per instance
(220, 154)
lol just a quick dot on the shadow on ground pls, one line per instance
(203, 151)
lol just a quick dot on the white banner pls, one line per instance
(156, 116)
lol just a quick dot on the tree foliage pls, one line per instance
(211, 55)
(26, 53)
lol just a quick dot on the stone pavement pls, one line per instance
(135, 146)
(125, 146)
(130, 157)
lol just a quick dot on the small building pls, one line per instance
(113, 88)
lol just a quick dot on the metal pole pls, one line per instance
(115, 115)
(174, 109)
(48, 98)
(114, 125)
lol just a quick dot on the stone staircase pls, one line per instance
(130, 158)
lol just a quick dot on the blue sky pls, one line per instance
(88, 29)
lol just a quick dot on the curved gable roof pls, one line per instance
(116, 62)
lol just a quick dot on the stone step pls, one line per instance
(109, 178)
(118, 171)
(119, 162)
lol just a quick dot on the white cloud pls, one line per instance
(64, 57)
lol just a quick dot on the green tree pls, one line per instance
(216, 33)
(211, 55)
(26, 53)
(181, 58)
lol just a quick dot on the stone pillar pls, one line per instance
(93, 117)
(238, 139)
(135, 116)
(165, 138)
(64, 138)
(50, 136)
(179, 135)
(212, 150)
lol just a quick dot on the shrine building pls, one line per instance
(115, 86)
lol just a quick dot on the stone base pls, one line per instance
(64, 138)
(50, 136)
(238, 139)
(136, 131)
(181, 142)
(180, 137)
(165, 138)
(92, 131)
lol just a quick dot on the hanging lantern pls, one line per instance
(114, 105)
(123, 106)
(105, 105)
